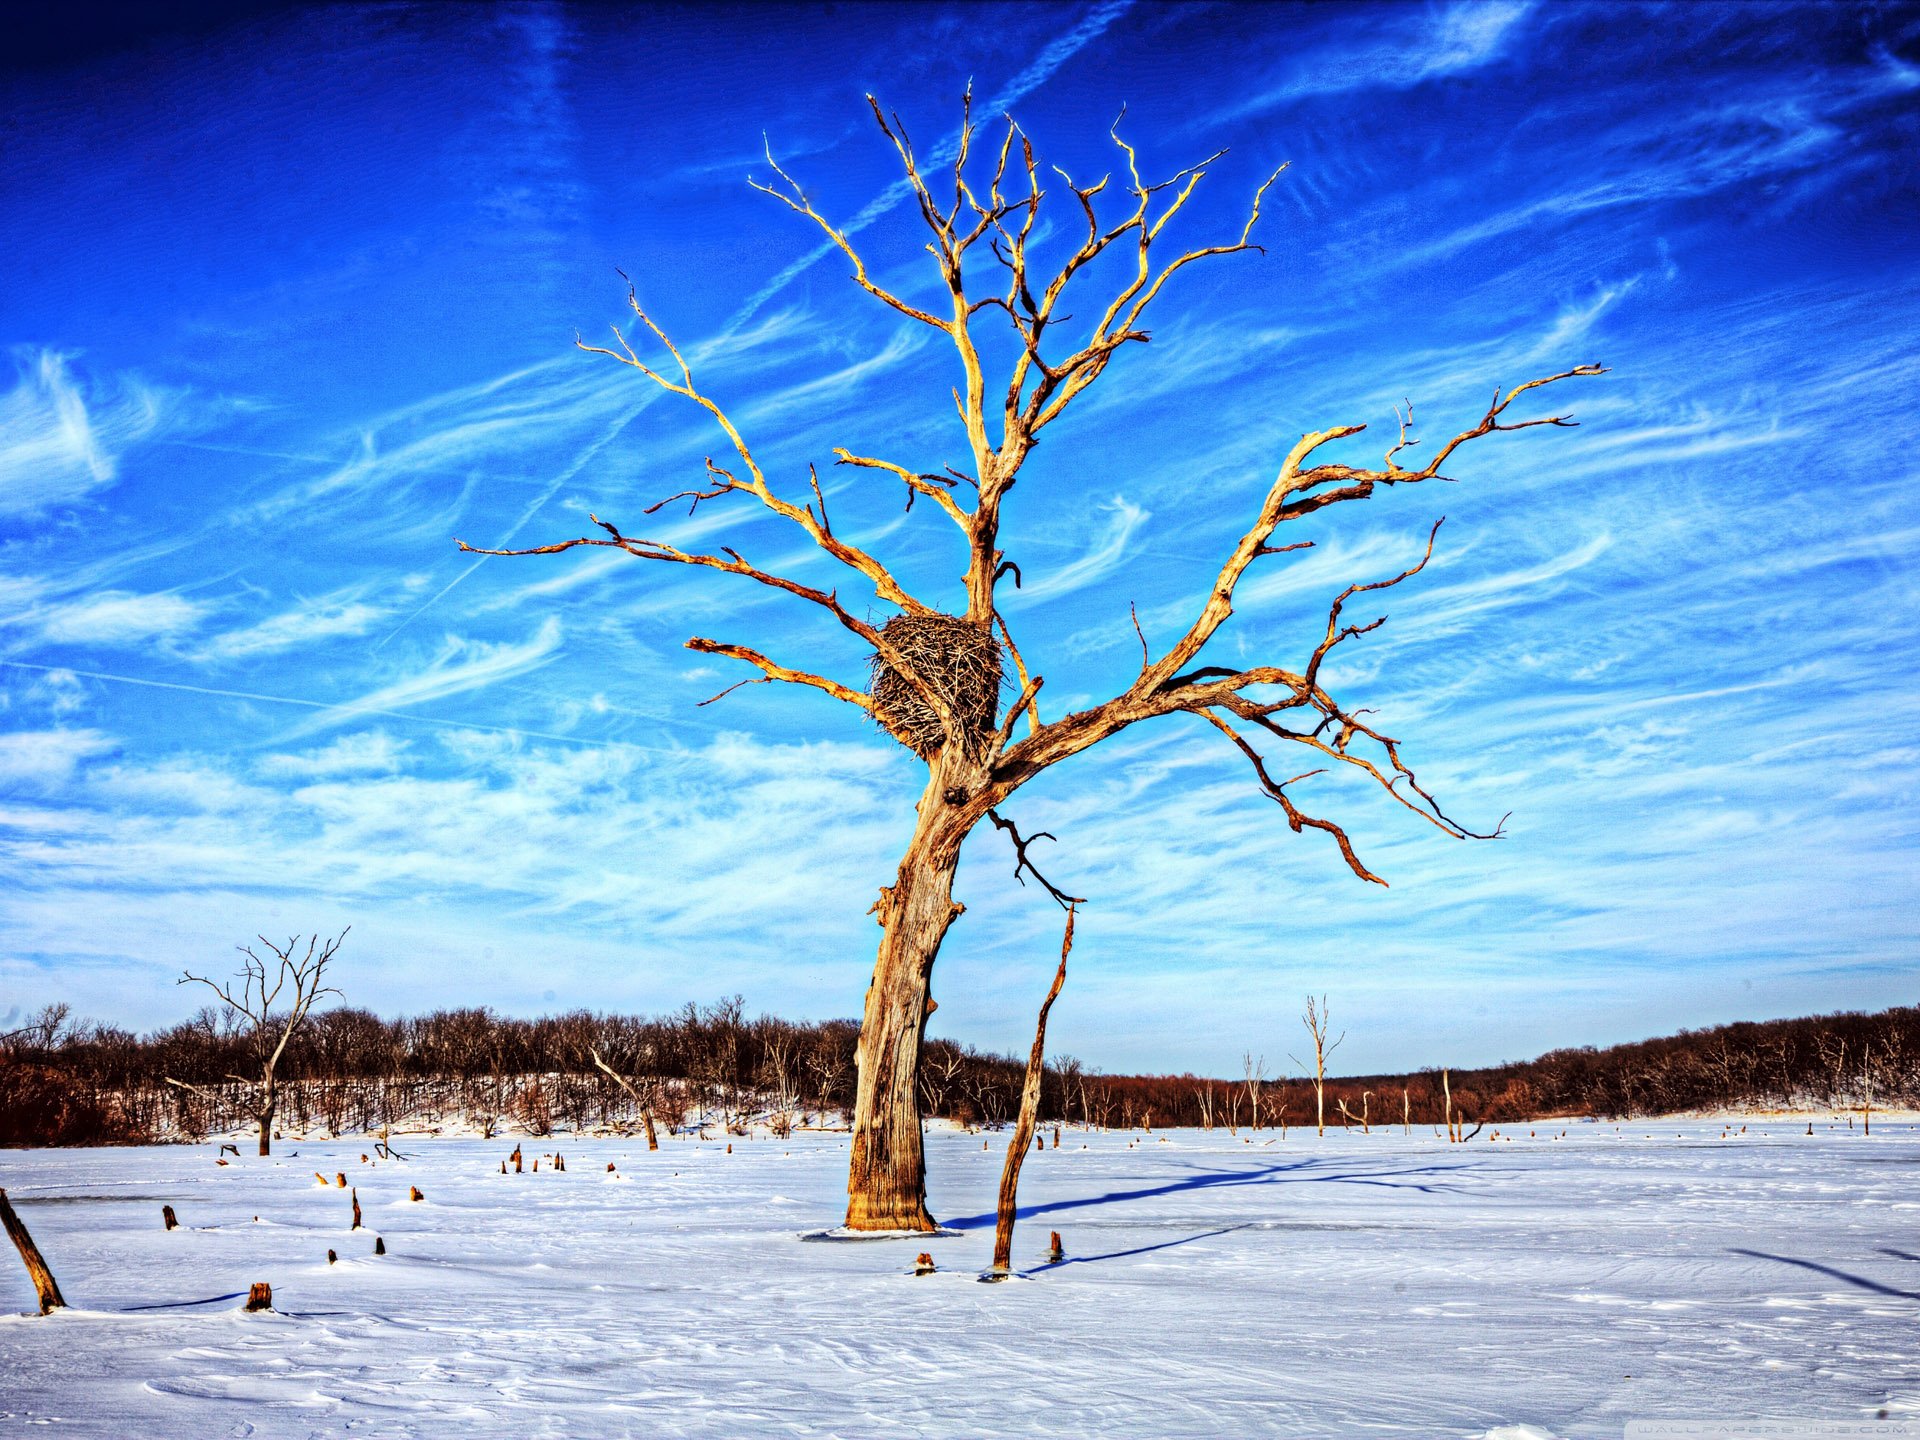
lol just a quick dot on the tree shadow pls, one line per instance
(1899, 1254)
(1279, 1172)
(1858, 1281)
(183, 1304)
(1137, 1250)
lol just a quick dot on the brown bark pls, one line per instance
(1023, 1127)
(43, 1282)
(167, 1217)
(266, 1125)
(260, 1296)
(887, 1180)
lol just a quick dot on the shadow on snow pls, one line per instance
(1280, 1172)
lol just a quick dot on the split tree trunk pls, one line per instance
(1029, 1116)
(887, 1178)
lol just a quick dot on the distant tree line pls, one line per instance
(64, 1081)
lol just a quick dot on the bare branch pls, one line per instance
(1023, 862)
(774, 671)
(1277, 791)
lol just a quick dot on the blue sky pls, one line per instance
(290, 303)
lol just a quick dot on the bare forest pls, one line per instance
(64, 1081)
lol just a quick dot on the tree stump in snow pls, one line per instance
(1055, 1254)
(340, 1180)
(356, 1208)
(332, 1258)
(379, 1246)
(260, 1296)
(413, 1193)
(923, 1264)
(515, 1157)
(166, 1214)
(43, 1282)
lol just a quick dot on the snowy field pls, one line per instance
(1355, 1285)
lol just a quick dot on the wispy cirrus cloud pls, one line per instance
(1124, 520)
(461, 665)
(1408, 48)
(61, 436)
(40, 758)
(305, 625)
(118, 618)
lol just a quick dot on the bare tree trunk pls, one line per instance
(43, 1282)
(1029, 1114)
(266, 1125)
(887, 1178)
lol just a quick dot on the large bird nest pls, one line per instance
(959, 660)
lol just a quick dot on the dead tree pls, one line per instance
(44, 1285)
(642, 1096)
(250, 999)
(936, 664)
(1255, 1076)
(1316, 1018)
(1029, 1115)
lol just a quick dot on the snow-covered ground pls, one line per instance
(1375, 1285)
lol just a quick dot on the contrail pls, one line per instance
(329, 705)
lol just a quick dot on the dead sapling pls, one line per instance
(1316, 1019)
(1029, 1114)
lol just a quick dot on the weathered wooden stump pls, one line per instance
(413, 1193)
(332, 1258)
(259, 1296)
(356, 1208)
(516, 1160)
(166, 1214)
(43, 1282)
(1055, 1254)
(379, 1246)
(923, 1264)
(340, 1180)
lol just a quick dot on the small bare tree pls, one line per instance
(1203, 1094)
(250, 999)
(1255, 1075)
(1318, 1021)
